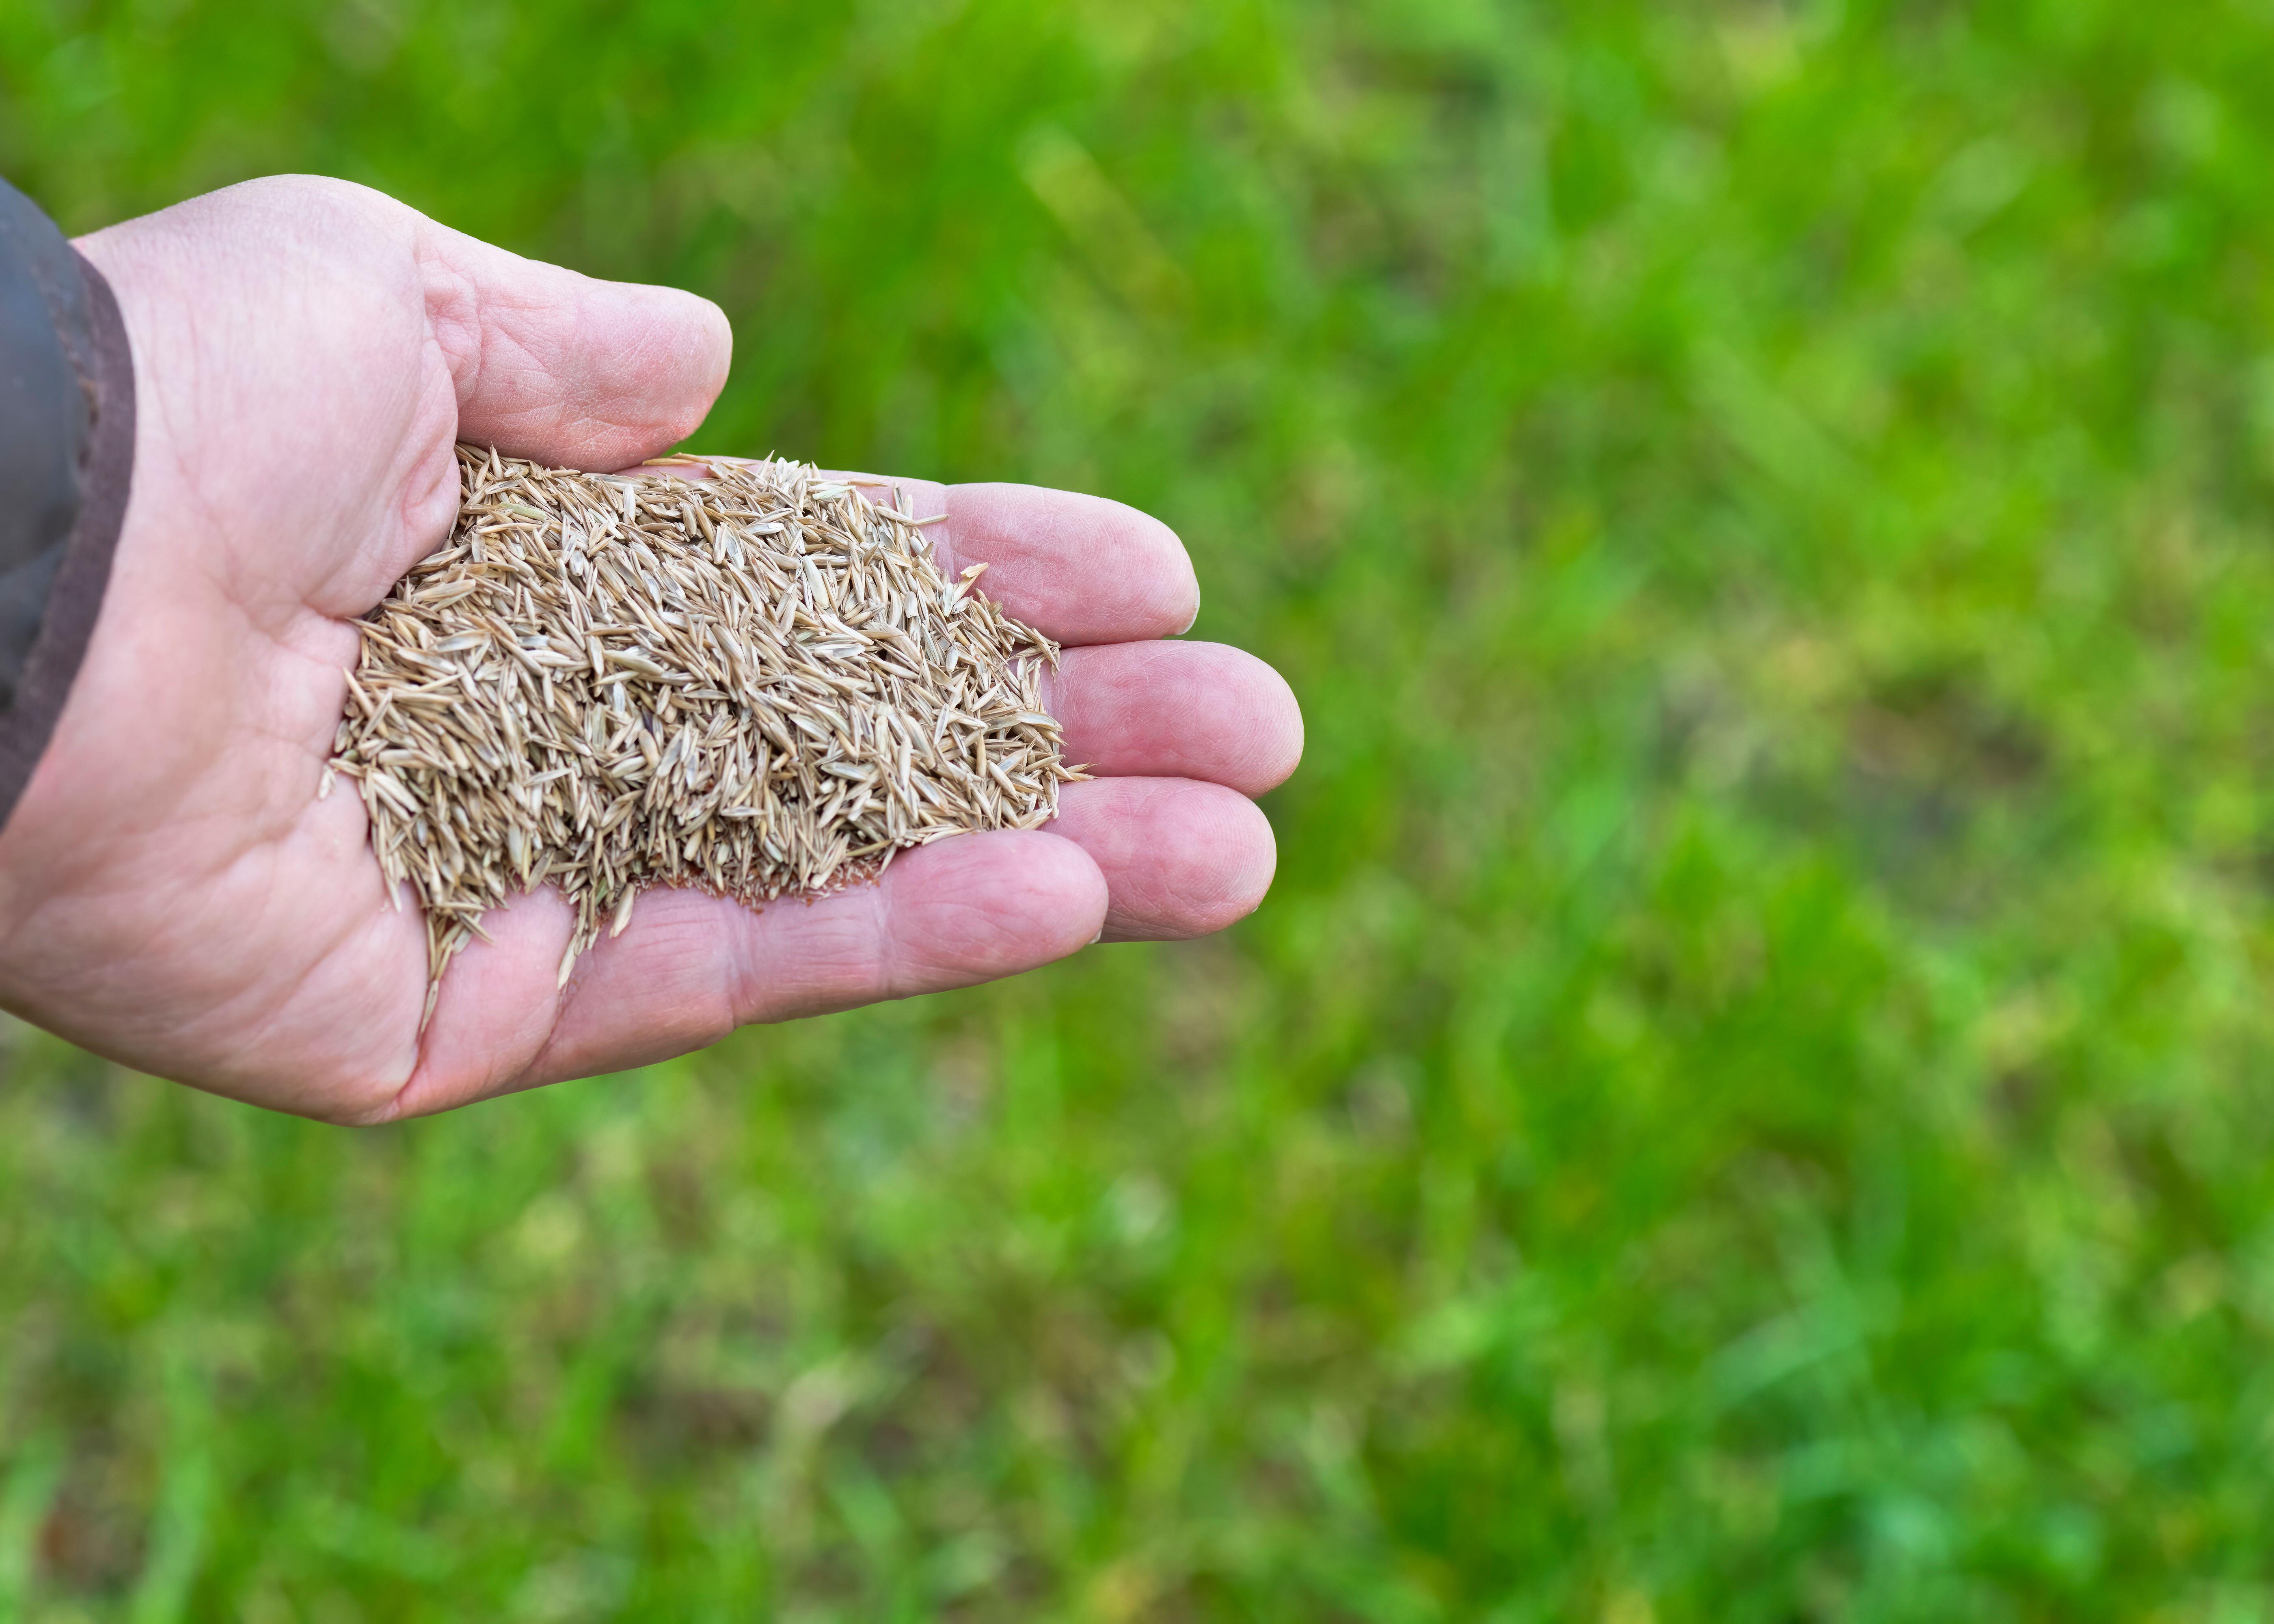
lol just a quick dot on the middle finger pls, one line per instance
(1178, 710)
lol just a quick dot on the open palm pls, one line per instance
(173, 894)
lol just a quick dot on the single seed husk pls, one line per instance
(759, 683)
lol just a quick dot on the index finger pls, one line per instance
(1079, 569)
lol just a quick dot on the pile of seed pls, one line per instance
(757, 682)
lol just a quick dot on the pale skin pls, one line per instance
(173, 894)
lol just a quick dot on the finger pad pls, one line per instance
(1182, 858)
(987, 905)
(1082, 568)
(1179, 710)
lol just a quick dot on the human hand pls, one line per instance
(172, 893)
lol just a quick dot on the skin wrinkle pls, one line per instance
(228, 576)
(454, 311)
(943, 547)
(184, 488)
(273, 1012)
(982, 921)
(514, 1075)
(888, 973)
(124, 968)
(742, 977)
(131, 878)
(501, 1075)
(481, 350)
(535, 1071)
(574, 407)
(265, 849)
(429, 475)
(715, 999)
(287, 723)
(428, 511)
(330, 641)
(287, 822)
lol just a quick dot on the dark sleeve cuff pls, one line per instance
(66, 456)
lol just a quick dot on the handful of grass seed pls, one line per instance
(759, 683)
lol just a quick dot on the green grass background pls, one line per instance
(1750, 1097)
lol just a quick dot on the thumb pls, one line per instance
(565, 368)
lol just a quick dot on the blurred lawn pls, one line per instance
(1749, 1099)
